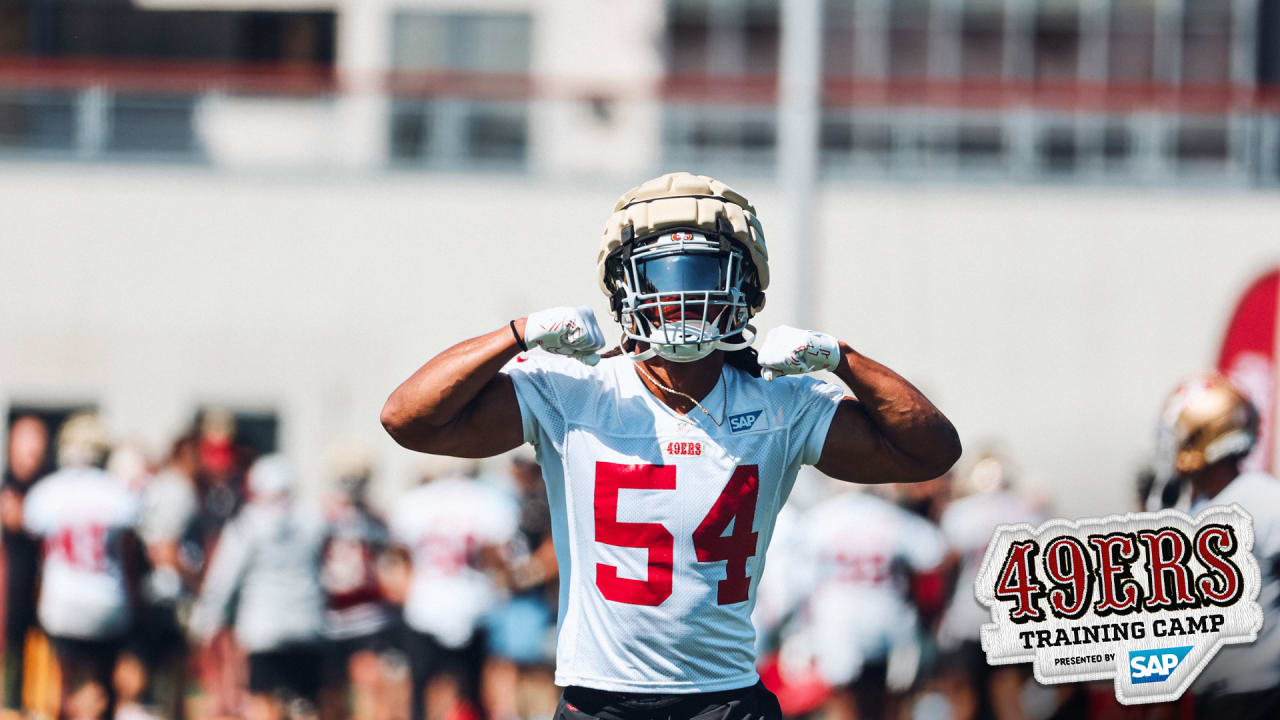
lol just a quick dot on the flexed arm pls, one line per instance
(459, 404)
(890, 433)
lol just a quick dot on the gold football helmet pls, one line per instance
(684, 264)
(1205, 420)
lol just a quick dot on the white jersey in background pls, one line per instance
(857, 550)
(267, 561)
(968, 524)
(80, 514)
(661, 520)
(445, 524)
(1253, 666)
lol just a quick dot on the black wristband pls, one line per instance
(519, 340)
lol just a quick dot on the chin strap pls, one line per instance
(651, 351)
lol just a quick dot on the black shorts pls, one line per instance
(292, 669)
(749, 703)
(83, 661)
(429, 659)
(337, 653)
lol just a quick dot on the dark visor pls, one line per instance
(676, 273)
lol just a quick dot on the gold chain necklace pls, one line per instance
(723, 408)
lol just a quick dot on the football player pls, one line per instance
(1206, 430)
(985, 499)
(265, 574)
(666, 463)
(863, 556)
(88, 582)
(448, 529)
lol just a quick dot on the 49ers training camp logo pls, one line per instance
(1144, 598)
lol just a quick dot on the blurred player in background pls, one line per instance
(169, 507)
(863, 556)
(88, 582)
(985, 498)
(1206, 429)
(519, 677)
(267, 563)
(653, 454)
(449, 530)
(358, 617)
(28, 445)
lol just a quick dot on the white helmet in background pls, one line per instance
(271, 477)
(989, 473)
(684, 264)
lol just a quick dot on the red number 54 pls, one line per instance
(737, 504)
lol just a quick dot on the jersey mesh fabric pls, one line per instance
(602, 437)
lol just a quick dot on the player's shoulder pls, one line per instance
(564, 379)
(788, 390)
(535, 362)
(1254, 489)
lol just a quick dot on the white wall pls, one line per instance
(1050, 319)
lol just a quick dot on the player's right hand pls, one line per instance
(571, 331)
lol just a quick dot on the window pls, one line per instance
(731, 42)
(1057, 40)
(1131, 41)
(839, 35)
(98, 117)
(256, 431)
(50, 417)
(909, 39)
(1206, 42)
(448, 128)
(982, 41)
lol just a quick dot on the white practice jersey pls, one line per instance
(81, 514)
(445, 524)
(858, 549)
(266, 564)
(1255, 666)
(661, 520)
(968, 524)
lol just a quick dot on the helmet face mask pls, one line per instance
(682, 292)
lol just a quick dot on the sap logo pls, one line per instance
(744, 421)
(1147, 666)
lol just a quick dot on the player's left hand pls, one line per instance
(792, 351)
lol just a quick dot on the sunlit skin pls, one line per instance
(1212, 479)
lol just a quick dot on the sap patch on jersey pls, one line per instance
(1145, 599)
(743, 422)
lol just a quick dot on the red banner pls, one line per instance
(1248, 358)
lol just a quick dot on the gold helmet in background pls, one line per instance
(1205, 420)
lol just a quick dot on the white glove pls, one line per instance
(571, 331)
(792, 351)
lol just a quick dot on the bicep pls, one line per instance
(487, 425)
(856, 451)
